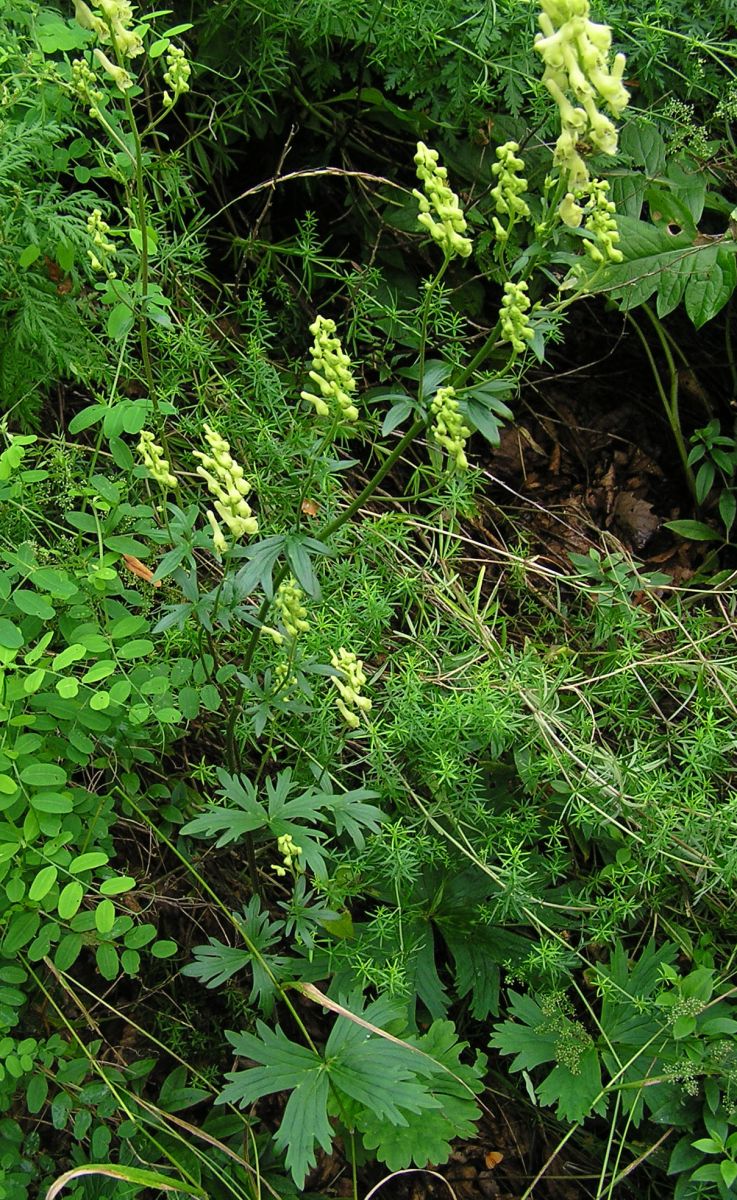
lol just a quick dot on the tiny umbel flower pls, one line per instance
(507, 193)
(448, 427)
(219, 540)
(176, 75)
(288, 603)
(349, 682)
(516, 328)
(600, 222)
(155, 462)
(290, 853)
(440, 209)
(225, 480)
(102, 248)
(331, 373)
(575, 51)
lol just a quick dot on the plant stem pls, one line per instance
(669, 399)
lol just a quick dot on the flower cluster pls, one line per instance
(440, 210)
(516, 328)
(84, 82)
(155, 461)
(288, 603)
(104, 249)
(331, 373)
(600, 222)
(290, 852)
(225, 480)
(176, 75)
(510, 184)
(113, 27)
(576, 51)
(349, 682)
(448, 427)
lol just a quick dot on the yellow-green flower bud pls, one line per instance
(219, 541)
(570, 213)
(176, 75)
(155, 461)
(448, 428)
(331, 374)
(349, 682)
(288, 603)
(516, 328)
(119, 75)
(224, 479)
(290, 852)
(511, 183)
(440, 209)
(600, 222)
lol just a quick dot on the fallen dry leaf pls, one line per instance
(637, 517)
(140, 570)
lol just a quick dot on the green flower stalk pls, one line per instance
(448, 427)
(440, 210)
(225, 480)
(293, 613)
(516, 328)
(155, 462)
(507, 194)
(176, 75)
(575, 51)
(331, 373)
(351, 703)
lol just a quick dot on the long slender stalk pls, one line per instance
(669, 399)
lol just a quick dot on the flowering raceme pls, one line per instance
(349, 682)
(440, 210)
(225, 480)
(155, 461)
(448, 427)
(510, 184)
(516, 328)
(331, 373)
(575, 51)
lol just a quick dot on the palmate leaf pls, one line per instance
(216, 963)
(536, 1038)
(365, 1080)
(228, 824)
(427, 1135)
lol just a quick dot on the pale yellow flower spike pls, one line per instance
(575, 51)
(440, 209)
(225, 480)
(155, 462)
(351, 703)
(331, 374)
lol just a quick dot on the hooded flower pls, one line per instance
(225, 480)
(440, 210)
(575, 51)
(331, 374)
